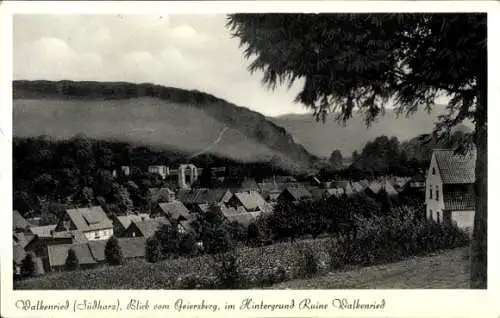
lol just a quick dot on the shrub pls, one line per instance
(228, 272)
(217, 240)
(15, 271)
(196, 281)
(253, 235)
(308, 261)
(28, 265)
(153, 249)
(72, 262)
(113, 252)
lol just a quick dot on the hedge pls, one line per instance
(379, 240)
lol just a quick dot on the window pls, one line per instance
(437, 193)
(433, 170)
(438, 217)
(430, 214)
(430, 192)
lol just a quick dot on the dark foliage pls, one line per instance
(113, 252)
(153, 251)
(228, 272)
(28, 266)
(72, 262)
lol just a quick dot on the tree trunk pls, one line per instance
(480, 235)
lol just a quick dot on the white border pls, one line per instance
(415, 303)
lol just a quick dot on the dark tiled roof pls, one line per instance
(203, 208)
(93, 251)
(455, 168)
(149, 227)
(202, 196)
(299, 193)
(22, 239)
(160, 193)
(58, 254)
(228, 211)
(132, 246)
(18, 221)
(125, 220)
(251, 200)
(43, 231)
(89, 219)
(207, 196)
(378, 186)
(97, 249)
(174, 210)
(458, 198)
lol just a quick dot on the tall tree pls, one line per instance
(336, 159)
(363, 62)
(72, 263)
(113, 252)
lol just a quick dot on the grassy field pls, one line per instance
(139, 274)
(444, 270)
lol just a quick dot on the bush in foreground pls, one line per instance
(72, 262)
(113, 252)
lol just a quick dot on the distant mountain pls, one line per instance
(190, 121)
(321, 139)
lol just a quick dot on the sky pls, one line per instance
(184, 51)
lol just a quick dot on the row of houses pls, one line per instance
(86, 230)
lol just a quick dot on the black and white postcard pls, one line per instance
(256, 159)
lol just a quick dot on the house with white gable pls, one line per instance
(449, 188)
(92, 222)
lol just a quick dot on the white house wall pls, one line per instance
(99, 235)
(433, 206)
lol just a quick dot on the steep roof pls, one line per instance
(149, 227)
(58, 254)
(97, 249)
(207, 196)
(43, 231)
(299, 193)
(132, 246)
(203, 208)
(251, 200)
(174, 209)
(22, 239)
(93, 251)
(18, 221)
(228, 210)
(202, 196)
(160, 193)
(187, 225)
(126, 220)
(377, 186)
(458, 198)
(456, 168)
(89, 219)
(318, 193)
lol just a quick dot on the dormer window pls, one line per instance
(433, 171)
